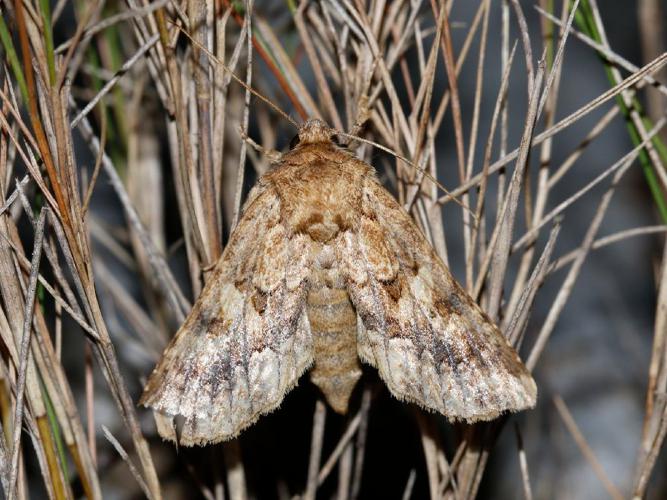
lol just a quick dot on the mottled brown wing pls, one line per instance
(430, 342)
(246, 341)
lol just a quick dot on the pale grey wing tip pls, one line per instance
(167, 429)
(519, 401)
(201, 431)
(514, 401)
(197, 431)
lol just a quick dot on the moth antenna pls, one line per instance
(271, 154)
(416, 167)
(238, 80)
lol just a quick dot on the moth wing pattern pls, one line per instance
(247, 339)
(431, 343)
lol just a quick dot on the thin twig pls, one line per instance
(360, 444)
(162, 273)
(316, 443)
(499, 253)
(523, 462)
(109, 85)
(409, 485)
(430, 446)
(567, 286)
(631, 80)
(240, 171)
(124, 456)
(23, 356)
(586, 450)
(339, 449)
(626, 160)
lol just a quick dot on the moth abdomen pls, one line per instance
(333, 325)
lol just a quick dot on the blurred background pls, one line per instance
(122, 124)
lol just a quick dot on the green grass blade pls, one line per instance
(585, 20)
(48, 39)
(8, 45)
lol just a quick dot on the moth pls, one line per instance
(326, 270)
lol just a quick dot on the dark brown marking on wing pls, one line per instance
(259, 301)
(394, 289)
(343, 222)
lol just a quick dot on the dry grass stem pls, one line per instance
(586, 450)
(523, 462)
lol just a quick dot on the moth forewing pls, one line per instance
(432, 344)
(246, 341)
(326, 268)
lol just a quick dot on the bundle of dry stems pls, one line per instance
(91, 91)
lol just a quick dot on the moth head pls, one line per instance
(313, 131)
